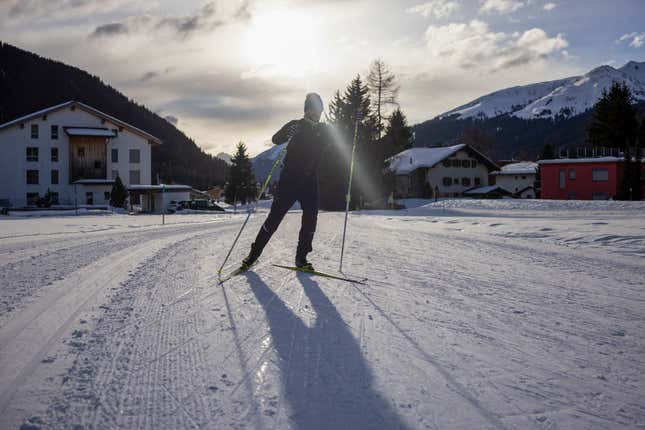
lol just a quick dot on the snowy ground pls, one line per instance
(476, 315)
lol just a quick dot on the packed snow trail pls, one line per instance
(469, 320)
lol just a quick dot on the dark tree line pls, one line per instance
(29, 83)
(361, 110)
(615, 123)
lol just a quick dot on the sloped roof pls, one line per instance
(88, 109)
(414, 158)
(521, 168)
(485, 190)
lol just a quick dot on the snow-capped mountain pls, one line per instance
(564, 97)
(226, 157)
(262, 162)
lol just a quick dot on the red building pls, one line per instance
(581, 178)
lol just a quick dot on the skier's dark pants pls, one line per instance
(291, 190)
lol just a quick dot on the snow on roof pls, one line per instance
(582, 160)
(88, 131)
(414, 158)
(521, 168)
(88, 109)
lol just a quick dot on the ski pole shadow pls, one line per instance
(326, 380)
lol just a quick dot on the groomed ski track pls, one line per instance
(456, 328)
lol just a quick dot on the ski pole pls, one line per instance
(348, 197)
(248, 215)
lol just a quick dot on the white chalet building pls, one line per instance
(518, 179)
(448, 171)
(73, 150)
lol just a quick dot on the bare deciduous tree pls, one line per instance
(384, 90)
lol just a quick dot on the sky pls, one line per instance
(225, 71)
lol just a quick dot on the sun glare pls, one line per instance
(283, 42)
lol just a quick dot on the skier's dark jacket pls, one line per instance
(309, 141)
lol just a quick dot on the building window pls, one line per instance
(600, 175)
(81, 152)
(523, 177)
(572, 173)
(465, 163)
(465, 182)
(600, 196)
(32, 199)
(473, 163)
(34, 131)
(54, 130)
(54, 198)
(97, 164)
(115, 173)
(563, 179)
(116, 132)
(456, 163)
(54, 178)
(54, 154)
(32, 177)
(135, 177)
(32, 154)
(571, 196)
(106, 196)
(478, 181)
(447, 181)
(135, 156)
(446, 163)
(115, 155)
(89, 198)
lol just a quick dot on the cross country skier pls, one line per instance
(308, 138)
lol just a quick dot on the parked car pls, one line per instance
(200, 205)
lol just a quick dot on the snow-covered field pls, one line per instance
(476, 315)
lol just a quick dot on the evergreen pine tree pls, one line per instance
(398, 134)
(241, 186)
(614, 124)
(119, 194)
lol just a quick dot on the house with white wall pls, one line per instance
(518, 178)
(445, 171)
(73, 150)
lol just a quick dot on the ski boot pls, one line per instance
(304, 265)
(248, 262)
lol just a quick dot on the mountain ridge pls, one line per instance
(556, 99)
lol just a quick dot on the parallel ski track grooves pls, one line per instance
(116, 354)
(26, 371)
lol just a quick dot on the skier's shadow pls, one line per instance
(326, 380)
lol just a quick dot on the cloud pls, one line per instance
(637, 39)
(437, 8)
(205, 19)
(473, 45)
(63, 10)
(500, 6)
(549, 6)
(113, 29)
(171, 119)
(147, 76)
